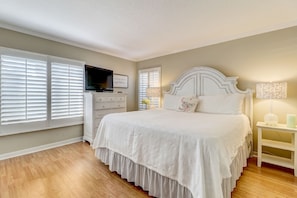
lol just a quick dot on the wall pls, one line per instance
(26, 42)
(265, 57)
(261, 58)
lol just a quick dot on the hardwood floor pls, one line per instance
(73, 171)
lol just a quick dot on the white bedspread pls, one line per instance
(195, 149)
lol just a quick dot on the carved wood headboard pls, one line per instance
(201, 81)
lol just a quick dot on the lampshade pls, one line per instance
(153, 92)
(271, 90)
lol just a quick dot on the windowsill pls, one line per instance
(35, 129)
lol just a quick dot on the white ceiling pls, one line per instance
(143, 29)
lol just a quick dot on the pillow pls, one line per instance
(221, 104)
(180, 103)
(188, 104)
(171, 102)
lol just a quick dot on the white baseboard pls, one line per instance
(39, 148)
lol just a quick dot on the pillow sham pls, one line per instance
(221, 104)
(180, 103)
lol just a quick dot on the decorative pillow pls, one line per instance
(180, 103)
(222, 104)
(188, 104)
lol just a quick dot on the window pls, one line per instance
(66, 90)
(148, 78)
(23, 90)
(38, 91)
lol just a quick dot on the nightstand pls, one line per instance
(281, 161)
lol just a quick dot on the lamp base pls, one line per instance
(271, 119)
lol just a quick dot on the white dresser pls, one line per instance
(97, 105)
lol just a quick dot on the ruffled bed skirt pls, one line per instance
(163, 187)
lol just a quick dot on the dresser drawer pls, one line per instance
(103, 99)
(109, 105)
(109, 99)
(96, 123)
(116, 105)
(119, 99)
(99, 114)
(120, 110)
(102, 105)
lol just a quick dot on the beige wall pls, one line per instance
(21, 41)
(266, 57)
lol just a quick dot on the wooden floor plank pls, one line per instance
(73, 171)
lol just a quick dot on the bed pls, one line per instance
(194, 147)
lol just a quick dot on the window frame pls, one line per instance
(148, 70)
(49, 123)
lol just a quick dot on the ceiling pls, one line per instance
(141, 29)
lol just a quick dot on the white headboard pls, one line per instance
(200, 81)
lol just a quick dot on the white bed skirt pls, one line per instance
(163, 187)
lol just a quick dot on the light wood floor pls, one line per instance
(73, 171)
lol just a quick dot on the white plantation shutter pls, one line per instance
(67, 90)
(39, 92)
(148, 78)
(23, 90)
(142, 86)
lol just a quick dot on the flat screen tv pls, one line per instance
(98, 79)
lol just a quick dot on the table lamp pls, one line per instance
(153, 92)
(271, 90)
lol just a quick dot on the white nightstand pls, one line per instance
(285, 162)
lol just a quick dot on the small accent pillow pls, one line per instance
(188, 104)
(221, 104)
(180, 103)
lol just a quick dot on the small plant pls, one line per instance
(146, 101)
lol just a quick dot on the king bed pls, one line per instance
(194, 147)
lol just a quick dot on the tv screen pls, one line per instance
(98, 79)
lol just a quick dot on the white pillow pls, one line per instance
(171, 102)
(180, 103)
(221, 104)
